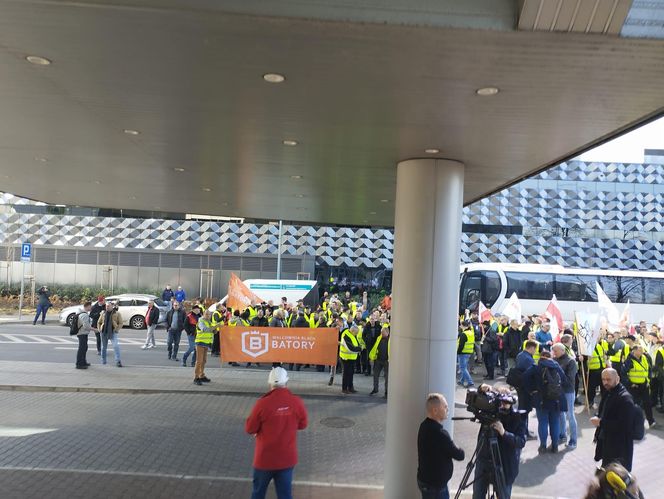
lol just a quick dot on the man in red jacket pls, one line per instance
(274, 421)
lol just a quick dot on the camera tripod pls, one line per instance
(496, 474)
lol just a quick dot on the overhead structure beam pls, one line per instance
(604, 17)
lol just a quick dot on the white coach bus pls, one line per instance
(575, 289)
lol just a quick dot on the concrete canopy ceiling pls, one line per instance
(358, 98)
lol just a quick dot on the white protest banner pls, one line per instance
(512, 308)
(587, 332)
(607, 310)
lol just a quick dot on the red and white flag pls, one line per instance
(512, 308)
(484, 313)
(554, 315)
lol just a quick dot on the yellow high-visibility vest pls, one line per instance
(205, 335)
(596, 361)
(638, 374)
(469, 345)
(373, 355)
(344, 352)
(620, 356)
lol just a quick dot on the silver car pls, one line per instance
(132, 307)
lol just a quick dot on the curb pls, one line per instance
(157, 391)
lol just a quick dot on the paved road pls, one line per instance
(52, 343)
(172, 445)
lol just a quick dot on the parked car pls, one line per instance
(132, 308)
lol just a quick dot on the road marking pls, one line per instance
(14, 339)
(243, 479)
(30, 339)
(65, 348)
(38, 339)
(8, 431)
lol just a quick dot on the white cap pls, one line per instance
(278, 377)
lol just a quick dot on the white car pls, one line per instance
(132, 308)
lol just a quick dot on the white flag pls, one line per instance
(607, 310)
(555, 317)
(626, 316)
(588, 332)
(512, 308)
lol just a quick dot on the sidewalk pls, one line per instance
(51, 376)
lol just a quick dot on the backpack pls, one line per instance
(515, 377)
(74, 327)
(638, 423)
(551, 384)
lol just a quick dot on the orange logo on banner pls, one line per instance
(279, 344)
(239, 295)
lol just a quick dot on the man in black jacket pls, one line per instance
(511, 432)
(435, 451)
(614, 421)
(370, 333)
(95, 312)
(175, 323)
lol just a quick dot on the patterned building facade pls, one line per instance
(577, 214)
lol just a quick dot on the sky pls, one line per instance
(629, 148)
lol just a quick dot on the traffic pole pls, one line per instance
(20, 300)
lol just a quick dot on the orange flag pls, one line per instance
(239, 295)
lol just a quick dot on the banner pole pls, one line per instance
(583, 370)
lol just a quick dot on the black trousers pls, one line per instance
(82, 350)
(348, 372)
(641, 394)
(98, 335)
(595, 381)
(216, 344)
(364, 361)
(490, 363)
(379, 365)
(656, 392)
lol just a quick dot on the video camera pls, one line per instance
(485, 406)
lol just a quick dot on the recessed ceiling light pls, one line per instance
(296, 177)
(299, 195)
(290, 142)
(41, 160)
(487, 91)
(207, 189)
(224, 203)
(432, 151)
(129, 131)
(365, 221)
(157, 207)
(273, 77)
(38, 60)
(384, 200)
(179, 169)
(97, 182)
(372, 213)
(132, 197)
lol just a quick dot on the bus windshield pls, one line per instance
(481, 285)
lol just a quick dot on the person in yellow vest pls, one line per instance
(532, 337)
(349, 349)
(204, 339)
(636, 376)
(465, 348)
(596, 363)
(618, 350)
(380, 355)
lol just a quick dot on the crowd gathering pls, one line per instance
(542, 373)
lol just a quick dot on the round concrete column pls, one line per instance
(425, 284)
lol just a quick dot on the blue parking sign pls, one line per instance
(26, 252)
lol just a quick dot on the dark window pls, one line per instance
(492, 229)
(575, 287)
(654, 291)
(619, 289)
(141, 302)
(125, 303)
(530, 286)
(479, 285)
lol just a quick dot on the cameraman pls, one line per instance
(510, 429)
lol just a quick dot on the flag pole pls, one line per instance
(583, 370)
